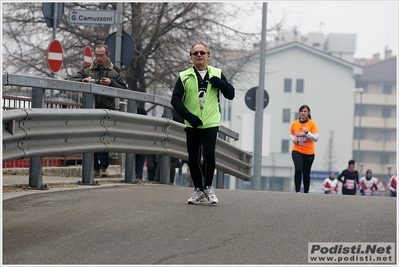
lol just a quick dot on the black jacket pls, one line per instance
(97, 72)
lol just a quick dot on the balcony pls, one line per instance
(376, 122)
(376, 99)
(373, 145)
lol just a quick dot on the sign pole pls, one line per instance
(118, 50)
(257, 168)
(55, 17)
(118, 42)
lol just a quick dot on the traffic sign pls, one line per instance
(55, 56)
(87, 56)
(49, 16)
(127, 50)
(381, 186)
(102, 17)
(250, 98)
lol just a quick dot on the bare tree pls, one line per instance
(163, 34)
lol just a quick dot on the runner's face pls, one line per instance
(352, 167)
(304, 113)
(198, 57)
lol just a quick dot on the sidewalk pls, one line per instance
(15, 181)
(54, 175)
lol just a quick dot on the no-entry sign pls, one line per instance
(87, 56)
(55, 56)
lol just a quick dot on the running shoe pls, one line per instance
(197, 197)
(210, 195)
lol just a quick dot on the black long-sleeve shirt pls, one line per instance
(348, 175)
(177, 99)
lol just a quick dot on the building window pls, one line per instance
(358, 110)
(385, 136)
(387, 89)
(287, 85)
(386, 112)
(358, 133)
(284, 146)
(299, 85)
(384, 158)
(296, 116)
(286, 115)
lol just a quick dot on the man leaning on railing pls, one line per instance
(101, 71)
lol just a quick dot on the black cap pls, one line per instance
(369, 171)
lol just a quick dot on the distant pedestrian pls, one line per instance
(152, 165)
(392, 185)
(330, 184)
(303, 134)
(368, 184)
(349, 179)
(188, 178)
(140, 158)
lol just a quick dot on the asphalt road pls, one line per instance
(153, 224)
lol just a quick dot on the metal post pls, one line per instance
(55, 17)
(389, 167)
(220, 174)
(257, 169)
(130, 167)
(88, 158)
(35, 165)
(118, 42)
(164, 174)
(360, 124)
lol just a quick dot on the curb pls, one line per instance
(70, 171)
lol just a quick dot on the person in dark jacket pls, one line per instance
(101, 71)
(349, 179)
(140, 158)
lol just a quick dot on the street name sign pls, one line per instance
(101, 17)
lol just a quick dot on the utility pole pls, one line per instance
(257, 167)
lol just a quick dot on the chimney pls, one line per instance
(388, 53)
(376, 56)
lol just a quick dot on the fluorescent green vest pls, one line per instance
(210, 115)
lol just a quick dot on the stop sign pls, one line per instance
(55, 56)
(87, 56)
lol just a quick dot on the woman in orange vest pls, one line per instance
(303, 134)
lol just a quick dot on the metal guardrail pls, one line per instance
(37, 131)
(72, 86)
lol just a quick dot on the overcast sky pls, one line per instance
(375, 23)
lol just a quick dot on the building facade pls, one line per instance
(353, 101)
(375, 125)
(297, 74)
